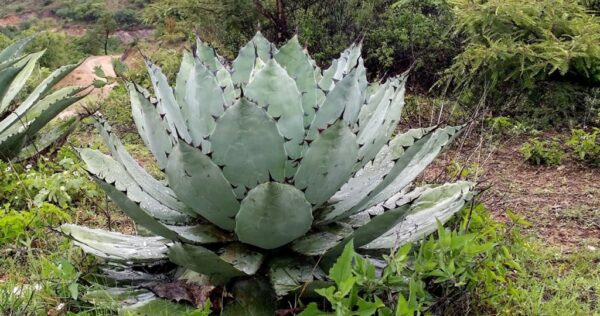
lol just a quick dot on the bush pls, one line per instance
(471, 264)
(530, 59)
(586, 146)
(126, 18)
(539, 152)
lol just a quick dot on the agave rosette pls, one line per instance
(270, 164)
(28, 128)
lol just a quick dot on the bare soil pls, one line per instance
(561, 202)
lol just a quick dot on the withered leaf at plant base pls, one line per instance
(194, 294)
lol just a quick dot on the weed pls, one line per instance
(539, 152)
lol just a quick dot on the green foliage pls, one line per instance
(412, 31)
(473, 264)
(20, 225)
(506, 126)
(533, 60)
(526, 41)
(41, 196)
(396, 33)
(78, 10)
(586, 146)
(548, 152)
(343, 297)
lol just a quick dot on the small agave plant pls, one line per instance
(272, 165)
(24, 129)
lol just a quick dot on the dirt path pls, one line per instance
(84, 76)
(562, 202)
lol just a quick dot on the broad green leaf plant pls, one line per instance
(272, 166)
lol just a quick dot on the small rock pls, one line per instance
(591, 248)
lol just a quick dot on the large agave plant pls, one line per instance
(271, 166)
(20, 126)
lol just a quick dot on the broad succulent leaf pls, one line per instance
(343, 101)
(150, 125)
(135, 301)
(116, 246)
(247, 144)
(272, 165)
(407, 167)
(187, 62)
(272, 215)
(371, 175)
(8, 91)
(48, 136)
(110, 171)
(258, 47)
(14, 50)
(298, 66)
(273, 89)
(203, 102)
(288, 274)
(200, 184)
(143, 179)
(327, 163)
(167, 104)
(233, 260)
(434, 204)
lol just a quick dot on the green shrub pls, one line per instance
(539, 152)
(586, 146)
(472, 264)
(503, 125)
(126, 18)
(535, 60)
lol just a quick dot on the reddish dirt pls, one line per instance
(11, 20)
(561, 202)
(84, 76)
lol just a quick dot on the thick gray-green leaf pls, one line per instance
(374, 228)
(44, 87)
(273, 89)
(298, 65)
(288, 274)
(123, 275)
(381, 127)
(15, 49)
(204, 102)
(133, 210)
(48, 136)
(316, 243)
(201, 234)
(111, 171)
(132, 301)
(327, 164)
(247, 143)
(259, 47)
(371, 175)
(167, 105)
(185, 69)
(233, 261)
(342, 102)
(434, 204)
(200, 184)
(206, 55)
(18, 81)
(117, 247)
(150, 125)
(382, 92)
(272, 215)
(149, 184)
(23, 129)
(407, 167)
